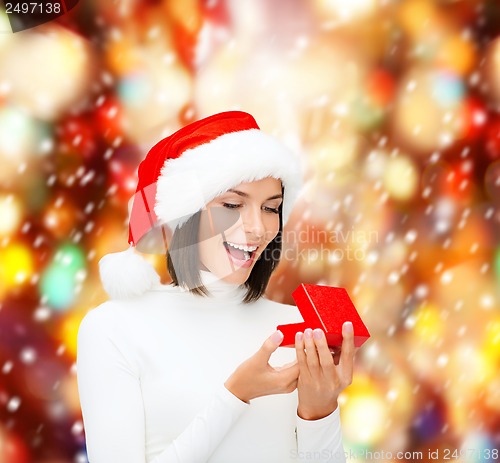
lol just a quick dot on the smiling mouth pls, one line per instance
(240, 254)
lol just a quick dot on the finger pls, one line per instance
(301, 355)
(311, 352)
(270, 345)
(325, 357)
(347, 353)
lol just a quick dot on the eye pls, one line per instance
(272, 210)
(231, 206)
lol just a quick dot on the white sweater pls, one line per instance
(151, 373)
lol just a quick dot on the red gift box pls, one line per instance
(325, 307)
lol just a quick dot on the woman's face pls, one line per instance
(237, 227)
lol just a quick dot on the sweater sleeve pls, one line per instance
(112, 408)
(320, 440)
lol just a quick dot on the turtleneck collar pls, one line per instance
(220, 289)
(217, 288)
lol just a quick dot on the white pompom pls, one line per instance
(126, 274)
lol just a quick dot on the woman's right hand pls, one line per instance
(256, 378)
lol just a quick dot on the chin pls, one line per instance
(238, 277)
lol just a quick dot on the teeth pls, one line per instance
(242, 247)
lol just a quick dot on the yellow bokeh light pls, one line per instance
(472, 367)
(364, 411)
(4, 27)
(161, 91)
(187, 13)
(428, 109)
(491, 341)
(331, 153)
(458, 415)
(492, 394)
(418, 17)
(121, 56)
(61, 62)
(16, 264)
(10, 214)
(345, 10)
(401, 178)
(457, 54)
(3, 286)
(429, 325)
(69, 331)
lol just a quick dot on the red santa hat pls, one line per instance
(181, 174)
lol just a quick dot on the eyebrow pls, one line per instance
(245, 195)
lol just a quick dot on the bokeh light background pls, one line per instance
(394, 109)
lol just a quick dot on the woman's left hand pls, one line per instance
(320, 379)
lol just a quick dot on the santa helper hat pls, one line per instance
(185, 171)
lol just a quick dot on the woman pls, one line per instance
(179, 373)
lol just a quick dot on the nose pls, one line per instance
(253, 223)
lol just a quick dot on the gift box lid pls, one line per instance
(325, 307)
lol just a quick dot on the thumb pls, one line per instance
(288, 366)
(347, 338)
(271, 344)
(347, 353)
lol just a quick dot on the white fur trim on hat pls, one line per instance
(186, 184)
